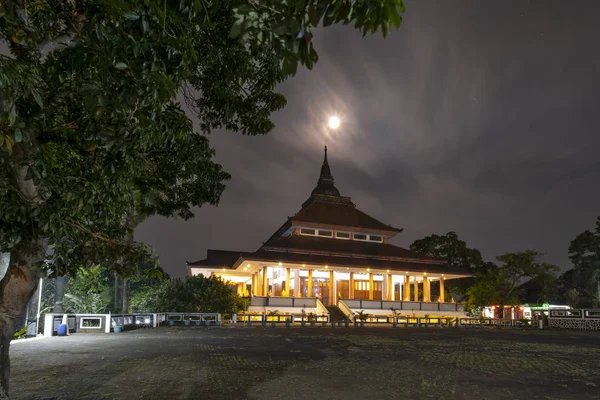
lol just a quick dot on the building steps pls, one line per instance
(335, 314)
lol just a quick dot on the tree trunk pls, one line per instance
(16, 288)
(125, 303)
(59, 294)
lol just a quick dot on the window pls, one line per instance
(325, 233)
(359, 236)
(90, 323)
(311, 232)
(375, 238)
(342, 235)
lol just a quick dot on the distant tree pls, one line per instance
(502, 285)
(449, 247)
(572, 297)
(584, 253)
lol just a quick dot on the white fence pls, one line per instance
(584, 319)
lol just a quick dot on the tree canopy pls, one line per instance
(92, 137)
(450, 248)
(502, 285)
(584, 253)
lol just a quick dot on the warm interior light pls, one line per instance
(334, 122)
(248, 265)
(424, 273)
(327, 266)
(280, 263)
(387, 270)
(304, 265)
(368, 269)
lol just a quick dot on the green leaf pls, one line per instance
(300, 4)
(131, 15)
(312, 16)
(290, 65)
(236, 29)
(38, 98)
(121, 66)
(18, 135)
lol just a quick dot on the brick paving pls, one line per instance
(309, 363)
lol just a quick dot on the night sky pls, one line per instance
(480, 117)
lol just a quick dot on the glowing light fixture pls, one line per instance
(368, 269)
(334, 122)
(327, 266)
(280, 263)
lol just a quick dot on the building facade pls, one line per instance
(330, 254)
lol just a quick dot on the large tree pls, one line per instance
(502, 285)
(449, 247)
(584, 253)
(92, 139)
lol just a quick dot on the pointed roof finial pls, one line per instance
(325, 154)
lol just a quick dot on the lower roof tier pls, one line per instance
(232, 260)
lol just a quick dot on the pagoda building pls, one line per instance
(332, 254)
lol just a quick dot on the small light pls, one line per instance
(442, 274)
(138, 322)
(406, 272)
(280, 263)
(387, 270)
(347, 268)
(368, 269)
(304, 265)
(424, 273)
(327, 266)
(147, 321)
(223, 269)
(248, 265)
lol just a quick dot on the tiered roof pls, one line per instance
(327, 209)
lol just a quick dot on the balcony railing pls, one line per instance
(299, 302)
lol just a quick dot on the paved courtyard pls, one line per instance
(309, 363)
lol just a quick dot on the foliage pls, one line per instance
(584, 253)
(450, 248)
(92, 139)
(20, 334)
(572, 298)
(311, 317)
(501, 286)
(195, 294)
(362, 315)
(88, 291)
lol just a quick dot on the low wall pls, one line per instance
(412, 306)
(585, 319)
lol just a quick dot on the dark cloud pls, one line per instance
(478, 117)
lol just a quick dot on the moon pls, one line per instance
(334, 122)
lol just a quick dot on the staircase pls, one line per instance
(335, 314)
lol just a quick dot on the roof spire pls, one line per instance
(325, 155)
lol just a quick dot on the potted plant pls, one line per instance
(302, 322)
(287, 322)
(395, 315)
(187, 322)
(312, 318)
(171, 322)
(347, 323)
(426, 316)
(197, 323)
(324, 323)
(217, 322)
(273, 314)
(207, 322)
(118, 328)
(249, 323)
(362, 316)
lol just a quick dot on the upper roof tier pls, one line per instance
(326, 206)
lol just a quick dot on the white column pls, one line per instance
(297, 282)
(384, 288)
